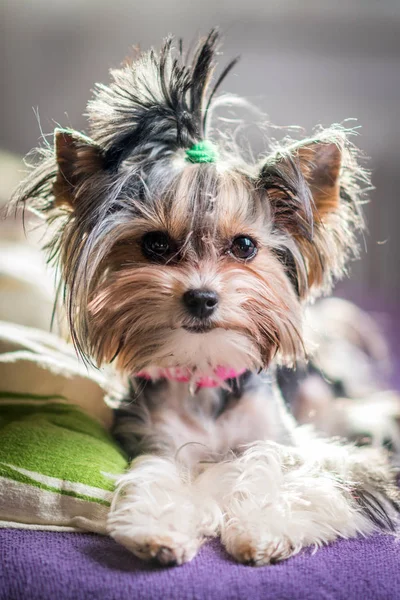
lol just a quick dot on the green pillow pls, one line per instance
(58, 462)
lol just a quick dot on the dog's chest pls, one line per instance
(204, 426)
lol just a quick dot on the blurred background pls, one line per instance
(304, 62)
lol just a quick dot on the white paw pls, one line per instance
(169, 549)
(156, 514)
(257, 550)
(275, 504)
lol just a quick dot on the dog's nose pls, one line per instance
(200, 303)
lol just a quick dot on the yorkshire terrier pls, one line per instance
(188, 266)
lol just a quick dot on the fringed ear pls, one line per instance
(303, 184)
(313, 191)
(77, 158)
(320, 164)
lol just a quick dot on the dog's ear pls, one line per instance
(312, 189)
(77, 158)
(303, 185)
(320, 164)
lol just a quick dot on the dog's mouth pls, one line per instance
(199, 327)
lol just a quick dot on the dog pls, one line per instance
(189, 266)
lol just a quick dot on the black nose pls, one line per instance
(200, 303)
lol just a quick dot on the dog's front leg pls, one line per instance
(277, 499)
(157, 512)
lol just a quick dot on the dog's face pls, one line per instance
(192, 280)
(204, 268)
(173, 264)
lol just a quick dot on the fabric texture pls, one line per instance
(57, 460)
(37, 565)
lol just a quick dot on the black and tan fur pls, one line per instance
(102, 194)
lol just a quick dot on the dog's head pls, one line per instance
(177, 253)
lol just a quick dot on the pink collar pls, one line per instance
(183, 375)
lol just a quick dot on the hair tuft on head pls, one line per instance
(157, 103)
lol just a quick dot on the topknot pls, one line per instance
(157, 103)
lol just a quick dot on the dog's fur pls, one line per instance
(227, 459)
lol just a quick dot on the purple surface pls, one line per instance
(66, 566)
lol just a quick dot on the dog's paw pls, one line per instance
(154, 528)
(276, 502)
(257, 550)
(168, 549)
(157, 515)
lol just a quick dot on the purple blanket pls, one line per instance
(67, 566)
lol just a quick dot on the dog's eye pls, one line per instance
(156, 245)
(243, 247)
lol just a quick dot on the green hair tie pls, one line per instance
(202, 152)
